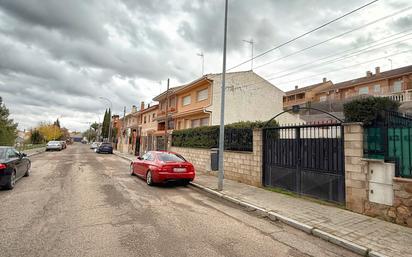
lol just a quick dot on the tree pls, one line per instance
(36, 137)
(8, 129)
(90, 134)
(105, 131)
(57, 123)
(50, 132)
(95, 126)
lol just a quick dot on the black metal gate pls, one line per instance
(306, 159)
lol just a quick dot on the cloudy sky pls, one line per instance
(58, 57)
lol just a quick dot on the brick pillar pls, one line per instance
(257, 157)
(355, 169)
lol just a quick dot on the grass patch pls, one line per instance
(30, 146)
(311, 199)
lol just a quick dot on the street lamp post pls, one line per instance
(110, 121)
(222, 109)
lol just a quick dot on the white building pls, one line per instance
(249, 97)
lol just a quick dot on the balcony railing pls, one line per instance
(404, 96)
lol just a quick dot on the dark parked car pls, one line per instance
(162, 166)
(13, 166)
(105, 148)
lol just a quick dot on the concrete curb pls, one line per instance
(274, 216)
(123, 157)
(36, 153)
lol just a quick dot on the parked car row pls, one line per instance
(162, 166)
(13, 166)
(102, 147)
(56, 145)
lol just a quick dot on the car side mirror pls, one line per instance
(23, 155)
(139, 158)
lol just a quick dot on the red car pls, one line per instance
(162, 166)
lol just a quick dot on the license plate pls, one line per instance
(179, 169)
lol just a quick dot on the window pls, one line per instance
(377, 88)
(170, 157)
(186, 100)
(144, 119)
(12, 154)
(150, 157)
(204, 122)
(202, 94)
(363, 90)
(179, 125)
(144, 157)
(322, 98)
(397, 86)
(172, 102)
(153, 116)
(171, 124)
(195, 123)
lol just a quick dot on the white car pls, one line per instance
(54, 145)
(94, 145)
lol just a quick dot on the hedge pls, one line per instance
(368, 109)
(238, 136)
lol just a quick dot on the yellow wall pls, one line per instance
(194, 104)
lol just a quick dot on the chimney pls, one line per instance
(378, 70)
(368, 74)
(141, 105)
(324, 80)
(134, 108)
(296, 87)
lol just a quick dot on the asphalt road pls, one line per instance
(79, 203)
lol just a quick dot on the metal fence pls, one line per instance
(389, 138)
(307, 159)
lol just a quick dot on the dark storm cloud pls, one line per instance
(75, 18)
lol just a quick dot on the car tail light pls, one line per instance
(2, 166)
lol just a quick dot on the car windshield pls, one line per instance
(2, 153)
(54, 142)
(170, 157)
(106, 144)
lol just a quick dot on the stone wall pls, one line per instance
(358, 179)
(244, 167)
(401, 210)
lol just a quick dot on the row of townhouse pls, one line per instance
(395, 84)
(249, 97)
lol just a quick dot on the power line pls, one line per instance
(302, 35)
(298, 68)
(315, 75)
(372, 60)
(334, 37)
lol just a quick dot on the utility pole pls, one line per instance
(167, 118)
(123, 123)
(203, 62)
(222, 109)
(251, 42)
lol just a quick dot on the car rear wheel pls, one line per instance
(131, 170)
(149, 178)
(27, 171)
(12, 181)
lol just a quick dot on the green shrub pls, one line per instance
(368, 109)
(238, 136)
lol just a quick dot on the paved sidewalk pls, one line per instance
(378, 236)
(34, 151)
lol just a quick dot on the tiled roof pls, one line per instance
(382, 75)
(171, 91)
(304, 89)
